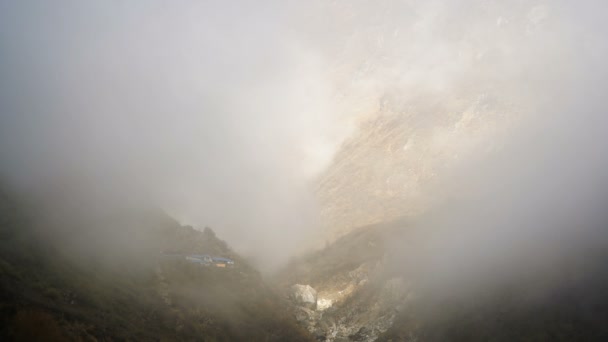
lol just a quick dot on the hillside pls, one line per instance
(358, 292)
(105, 279)
(368, 291)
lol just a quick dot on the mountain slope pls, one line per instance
(368, 291)
(79, 281)
(359, 295)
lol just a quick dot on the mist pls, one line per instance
(525, 206)
(225, 115)
(216, 113)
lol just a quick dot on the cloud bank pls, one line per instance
(225, 113)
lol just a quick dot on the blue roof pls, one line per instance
(199, 259)
(222, 259)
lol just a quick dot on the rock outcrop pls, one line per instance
(304, 295)
(357, 297)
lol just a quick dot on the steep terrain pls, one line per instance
(358, 293)
(424, 87)
(367, 291)
(106, 279)
(393, 165)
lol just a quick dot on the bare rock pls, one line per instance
(304, 295)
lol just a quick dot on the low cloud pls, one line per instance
(225, 114)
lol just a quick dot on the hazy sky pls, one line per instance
(223, 113)
(215, 111)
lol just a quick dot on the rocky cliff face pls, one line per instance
(430, 88)
(423, 87)
(367, 292)
(398, 158)
(357, 296)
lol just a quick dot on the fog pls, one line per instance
(527, 207)
(225, 115)
(214, 112)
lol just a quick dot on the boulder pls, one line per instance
(304, 315)
(304, 295)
